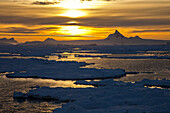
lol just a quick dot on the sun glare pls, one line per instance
(74, 4)
(73, 13)
(73, 30)
(73, 7)
(72, 22)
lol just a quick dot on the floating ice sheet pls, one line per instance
(111, 98)
(158, 83)
(37, 68)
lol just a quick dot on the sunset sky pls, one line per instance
(36, 20)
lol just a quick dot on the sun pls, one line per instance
(74, 8)
(73, 30)
(74, 4)
(73, 13)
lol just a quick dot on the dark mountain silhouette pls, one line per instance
(49, 40)
(8, 41)
(113, 39)
(116, 35)
(136, 37)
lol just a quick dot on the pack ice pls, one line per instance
(62, 70)
(109, 97)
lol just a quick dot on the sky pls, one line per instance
(36, 20)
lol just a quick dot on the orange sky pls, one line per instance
(27, 20)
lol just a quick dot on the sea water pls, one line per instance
(146, 68)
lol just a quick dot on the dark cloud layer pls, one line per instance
(87, 21)
(18, 30)
(25, 30)
(44, 3)
(54, 2)
(142, 31)
(119, 21)
(99, 17)
(32, 20)
(51, 35)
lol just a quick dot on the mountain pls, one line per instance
(113, 39)
(49, 40)
(136, 37)
(115, 35)
(8, 41)
(46, 41)
(118, 39)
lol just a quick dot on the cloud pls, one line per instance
(86, 21)
(51, 35)
(71, 24)
(123, 21)
(145, 1)
(116, 16)
(18, 30)
(142, 31)
(25, 30)
(12, 19)
(44, 3)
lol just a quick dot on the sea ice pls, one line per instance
(111, 98)
(43, 50)
(105, 82)
(142, 57)
(62, 70)
(158, 83)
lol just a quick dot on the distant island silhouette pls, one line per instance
(113, 39)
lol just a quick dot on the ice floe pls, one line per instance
(158, 83)
(112, 97)
(142, 57)
(43, 50)
(105, 82)
(62, 70)
(127, 57)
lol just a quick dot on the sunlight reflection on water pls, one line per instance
(50, 82)
(10, 85)
(147, 68)
(9, 104)
(159, 67)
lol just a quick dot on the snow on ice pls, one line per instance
(108, 97)
(66, 70)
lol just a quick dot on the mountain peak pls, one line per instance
(117, 32)
(8, 41)
(49, 39)
(115, 35)
(136, 37)
(11, 39)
